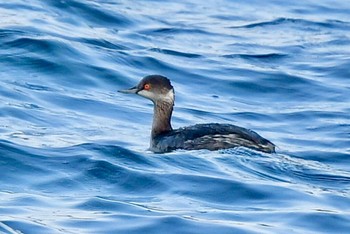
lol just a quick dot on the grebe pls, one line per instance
(212, 136)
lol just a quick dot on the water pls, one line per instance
(74, 153)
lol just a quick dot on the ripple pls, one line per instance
(260, 57)
(176, 53)
(73, 152)
(299, 22)
(92, 13)
(172, 30)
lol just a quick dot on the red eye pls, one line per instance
(147, 87)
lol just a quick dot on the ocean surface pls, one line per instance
(73, 151)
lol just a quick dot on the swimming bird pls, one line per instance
(212, 136)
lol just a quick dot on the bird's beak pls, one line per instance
(131, 90)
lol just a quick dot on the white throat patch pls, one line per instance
(168, 97)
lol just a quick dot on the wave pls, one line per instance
(284, 22)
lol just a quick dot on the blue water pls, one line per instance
(73, 151)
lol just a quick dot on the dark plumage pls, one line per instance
(211, 136)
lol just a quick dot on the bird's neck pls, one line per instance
(162, 117)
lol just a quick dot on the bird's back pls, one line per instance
(211, 137)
